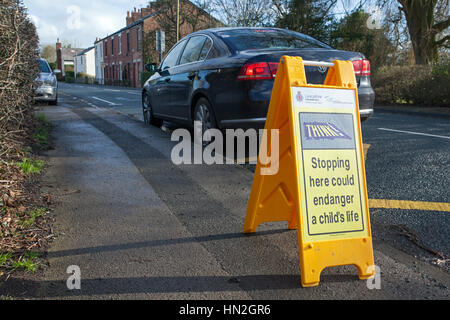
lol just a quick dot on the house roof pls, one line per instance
(68, 54)
(85, 51)
(132, 25)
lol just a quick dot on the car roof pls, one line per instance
(217, 30)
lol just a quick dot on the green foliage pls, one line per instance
(84, 78)
(49, 53)
(84, 75)
(42, 132)
(69, 73)
(31, 217)
(27, 262)
(53, 65)
(5, 259)
(351, 34)
(30, 166)
(311, 17)
(415, 84)
(69, 79)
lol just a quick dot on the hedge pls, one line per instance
(415, 84)
(19, 53)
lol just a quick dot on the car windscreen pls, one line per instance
(248, 39)
(43, 67)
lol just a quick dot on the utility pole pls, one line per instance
(178, 20)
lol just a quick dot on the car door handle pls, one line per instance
(192, 76)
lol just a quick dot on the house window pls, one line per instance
(128, 42)
(106, 48)
(112, 46)
(139, 38)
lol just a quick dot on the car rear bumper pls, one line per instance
(366, 98)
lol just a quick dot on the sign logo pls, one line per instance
(299, 97)
(322, 130)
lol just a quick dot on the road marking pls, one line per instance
(106, 101)
(113, 90)
(416, 133)
(409, 205)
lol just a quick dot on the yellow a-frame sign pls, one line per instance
(320, 185)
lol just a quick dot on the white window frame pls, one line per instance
(120, 43)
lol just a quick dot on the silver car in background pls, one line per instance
(46, 84)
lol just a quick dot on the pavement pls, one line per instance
(140, 227)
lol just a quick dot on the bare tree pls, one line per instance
(49, 53)
(425, 21)
(423, 27)
(245, 13)
(194, 16)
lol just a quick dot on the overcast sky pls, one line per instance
(79, 22)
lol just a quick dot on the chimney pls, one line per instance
(129, 20)
(58, 45)
(146, 11)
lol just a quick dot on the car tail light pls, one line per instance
(258, 71)
(362, 67)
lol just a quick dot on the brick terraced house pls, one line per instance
(126, 51)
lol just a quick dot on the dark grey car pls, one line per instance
(224, 77)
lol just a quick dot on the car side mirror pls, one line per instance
(56, 71)
(151, 67)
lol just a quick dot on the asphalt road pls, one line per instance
(140, 227)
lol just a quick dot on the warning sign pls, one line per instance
(320, 187)
(330, 180)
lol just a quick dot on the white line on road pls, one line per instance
(106, 101)
(113, 90)
(415, 133)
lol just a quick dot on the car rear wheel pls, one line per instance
(147, 112)
(203, 115)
